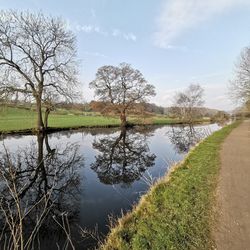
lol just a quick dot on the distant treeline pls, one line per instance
(146, 108)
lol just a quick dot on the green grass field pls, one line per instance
(20, 119)
(12, 119)
(16, 119)
(177, 213)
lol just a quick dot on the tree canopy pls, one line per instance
(121, 87)
(186, 103)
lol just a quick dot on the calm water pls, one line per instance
(90, 174)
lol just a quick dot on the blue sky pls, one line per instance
(172, 42)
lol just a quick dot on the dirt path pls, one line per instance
(233, 195)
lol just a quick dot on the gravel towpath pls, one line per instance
(233, 194)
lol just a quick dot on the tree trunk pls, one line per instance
(40, 165)
(123, 119)
(40, 140)
(40, 161)
(48, 148)
(40, 125)
(46, 117)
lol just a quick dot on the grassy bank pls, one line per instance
(177, 211)
(21, 119)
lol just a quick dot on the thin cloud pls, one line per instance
(175, 47)
(90, 28)
(93, 13)
(95, 54)
(178, 16)
(126, 36)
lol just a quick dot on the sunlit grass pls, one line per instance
(16, 119)
(64, 121)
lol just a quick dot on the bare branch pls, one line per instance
(187, 104)
(240, 86)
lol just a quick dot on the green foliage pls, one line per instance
(177, 211)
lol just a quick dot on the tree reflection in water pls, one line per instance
(122, 158)
(184, 137)
(36, 188)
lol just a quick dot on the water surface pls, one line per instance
(90, 174)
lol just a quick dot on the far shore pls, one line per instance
(32, 131)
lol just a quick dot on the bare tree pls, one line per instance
(240, 86)
(36, 53)
(187, 103)
(121, 87)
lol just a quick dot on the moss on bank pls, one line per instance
(177, 213)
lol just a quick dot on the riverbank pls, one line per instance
(177, 212)
(84, 122)
(23, 121)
